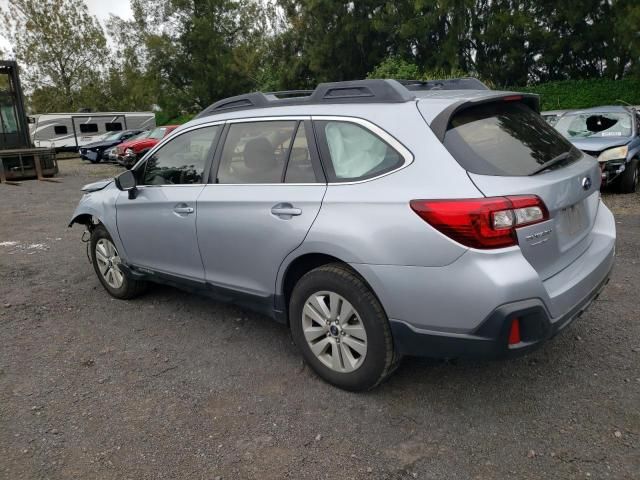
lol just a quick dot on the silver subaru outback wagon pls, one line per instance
(375, 218)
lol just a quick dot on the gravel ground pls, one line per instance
(173, 385)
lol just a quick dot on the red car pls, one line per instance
(129, 152)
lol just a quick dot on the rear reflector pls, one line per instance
(514, 333)
(482, 223)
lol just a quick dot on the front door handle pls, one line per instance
(183, 209)
(285, 210)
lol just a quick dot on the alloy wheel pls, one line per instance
(109, 263)
(334, 331)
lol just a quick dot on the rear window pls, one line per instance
(506, 139)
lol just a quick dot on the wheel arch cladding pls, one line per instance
(302, 265)
(82, 219)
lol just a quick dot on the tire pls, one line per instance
(366, 328)
(114, 280)
(629, 179)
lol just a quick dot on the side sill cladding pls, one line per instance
(255, 303)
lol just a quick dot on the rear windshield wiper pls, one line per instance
(554, 161)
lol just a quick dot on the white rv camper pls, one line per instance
(69, 131)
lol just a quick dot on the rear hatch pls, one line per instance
(508, 149)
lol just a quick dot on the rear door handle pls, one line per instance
(183, 209)
(285, 210)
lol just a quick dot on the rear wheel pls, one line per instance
(630, 177)
(106, 263)
(341, 328)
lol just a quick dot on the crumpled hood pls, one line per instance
(134, 144)
(598, 144)
(95, 186)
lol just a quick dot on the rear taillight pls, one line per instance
(482, 222)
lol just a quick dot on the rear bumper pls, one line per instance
(490, 339)
(465, 309)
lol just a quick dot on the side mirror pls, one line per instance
(126, 182)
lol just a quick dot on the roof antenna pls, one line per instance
(626, 103)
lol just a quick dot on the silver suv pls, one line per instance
(375, 218)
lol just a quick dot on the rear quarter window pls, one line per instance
(506, 139)
(351, 152)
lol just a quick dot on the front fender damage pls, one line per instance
(83, 219)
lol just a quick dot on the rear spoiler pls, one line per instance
(440, 123)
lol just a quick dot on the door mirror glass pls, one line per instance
(126, 181)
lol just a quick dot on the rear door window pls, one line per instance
(256, 152)
(507, 139)
(300, 167)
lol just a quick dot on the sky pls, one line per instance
(99, 8)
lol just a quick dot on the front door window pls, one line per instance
(182, 160)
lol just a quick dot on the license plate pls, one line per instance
(573, 221)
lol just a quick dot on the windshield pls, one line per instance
(596, 125)
(157, 133)
(506, 138)
(113, 136)
(140, 135)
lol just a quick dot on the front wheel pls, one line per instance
(630, 177)
(341, 328)
(106, 263)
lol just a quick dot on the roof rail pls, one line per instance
(465, 83)
(289, 93)
(355, 91)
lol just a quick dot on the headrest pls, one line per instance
(259, 155)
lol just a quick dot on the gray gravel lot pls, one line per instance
(173, 385)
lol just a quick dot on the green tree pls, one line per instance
(60, 46)
(628, 33)
(200, 50)
(330, 40)
(396, 67)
